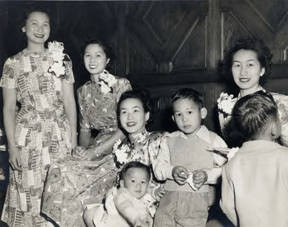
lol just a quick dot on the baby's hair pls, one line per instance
(264, 56)
(134, 164)
(253, 113)
(188, 93)
(142, 95)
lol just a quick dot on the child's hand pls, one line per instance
(180, 174)
(159, 192)
(199, 178)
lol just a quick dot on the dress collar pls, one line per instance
(139, 138)
(95, 78)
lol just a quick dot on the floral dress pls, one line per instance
(42, 130)
(75, 184)
(144, 148)
(226, 103)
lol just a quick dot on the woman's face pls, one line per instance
(132, 115)
(247, 70)
(37, 27)
(95, 59)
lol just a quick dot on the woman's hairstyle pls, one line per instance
(264, 56)
(134, 164)
(103, 44)
(252, 113)
(142, 95)
(188, 93)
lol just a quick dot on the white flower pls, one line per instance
(106, 82)
(56, 52)
(226, 103)
(121, 152)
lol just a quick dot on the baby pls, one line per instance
(130, 204)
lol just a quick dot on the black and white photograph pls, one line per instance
(144, 113)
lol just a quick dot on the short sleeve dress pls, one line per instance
(74, 184)
(42, 131)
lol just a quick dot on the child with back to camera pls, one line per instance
(254, 182)
(185, 157)
(130, 204)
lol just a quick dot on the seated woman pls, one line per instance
(74, 182)
(140, 145)
(247, 65)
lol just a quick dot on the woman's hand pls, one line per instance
(15, 159)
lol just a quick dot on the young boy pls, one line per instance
(130, 205)
(185, 157)
(255, 180)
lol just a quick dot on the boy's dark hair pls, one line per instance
(188, 93)
(253, 112)
(141, 95)
(134, 164)
(264, 56)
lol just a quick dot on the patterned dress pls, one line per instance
(226, 104)
(42, 131)
(74, 184)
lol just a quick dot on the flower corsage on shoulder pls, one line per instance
(106, 82)
(121, 151)
(225, 103)
(56, 52)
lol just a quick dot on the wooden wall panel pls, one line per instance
(266, 20)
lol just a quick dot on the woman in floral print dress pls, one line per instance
(43, 130)
(247, 64)
(84, 179)
(140, 145)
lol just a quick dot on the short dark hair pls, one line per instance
(103, 44)
(264, 56)
(134, 164)
(142, 95)
(188, 93)
(253, 112)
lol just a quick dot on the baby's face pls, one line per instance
(136, 181)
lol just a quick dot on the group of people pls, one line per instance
(126, 175)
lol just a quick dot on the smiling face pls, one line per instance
(247, 70)
(95, 59)
(132, 115)
(188, 115)
(136, 181)
(37, 27)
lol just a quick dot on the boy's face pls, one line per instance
(136, 181)
(187, 115)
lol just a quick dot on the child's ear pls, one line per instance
(275, 130)
(23, 29)
(121, 183)
(203, 112)
(147, 116)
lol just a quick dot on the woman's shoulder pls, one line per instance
(279, 97)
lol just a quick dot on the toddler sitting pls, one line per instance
(130, 204)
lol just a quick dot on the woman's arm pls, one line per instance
(105, 148)
(84, 137)
(9, 115)
(70, 110)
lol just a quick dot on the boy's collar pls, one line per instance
(202, 133)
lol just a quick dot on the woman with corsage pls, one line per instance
(42, 130)
(247, 64)
(84, 178)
